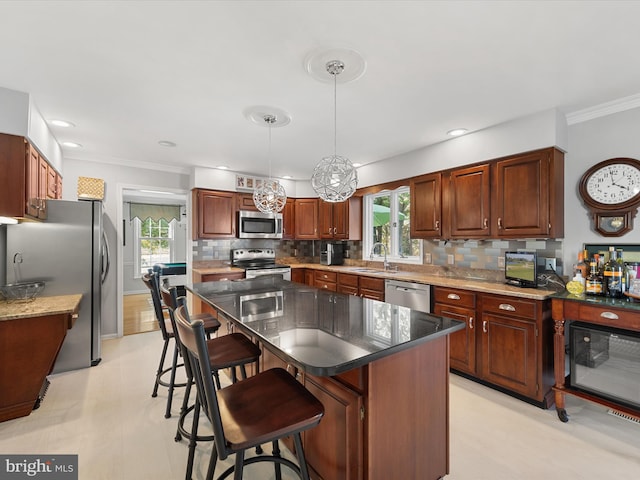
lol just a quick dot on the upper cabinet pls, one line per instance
(342, 220)
(521, 196)
(306, 218)
(289, 220)
(426, 205)
(215, 215)
(245, 202)
(27, 179)
(529, 195)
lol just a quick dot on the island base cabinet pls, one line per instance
(334, 449)
(407, 414)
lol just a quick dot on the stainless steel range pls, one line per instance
(259, 261)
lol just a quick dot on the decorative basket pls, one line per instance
(22, 291)
(90, 188)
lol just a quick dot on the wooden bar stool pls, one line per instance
(264, 408)
(228, 351)
(152, 281)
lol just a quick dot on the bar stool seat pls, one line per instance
(264, 408)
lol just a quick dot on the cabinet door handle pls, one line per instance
(470, 323)
(500, 223)
(485, 223)
(484, 326)
(437, 224)
(507, 307)
(609, 315)
(453, 296)
(335, 230)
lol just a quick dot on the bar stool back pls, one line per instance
(264, 408)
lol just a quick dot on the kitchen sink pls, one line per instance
(372, 270)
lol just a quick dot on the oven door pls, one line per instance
(284, 272)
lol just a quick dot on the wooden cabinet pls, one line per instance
(372, 288)
(507, 342)
(245, 202)
(309, 277)
(289, 220)
(521, 196)
(27, 179)
(348, 284)
(306, 218)
(297, 275)
(459, 305)
(326, 280)
(340, 221)
(341, 428)
(215, 214)
(426, 205)
(529, 195)
(468, 202)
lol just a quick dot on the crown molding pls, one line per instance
(136, 164)
(604, 109)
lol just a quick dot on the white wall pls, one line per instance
(590, 142)
(115, 176)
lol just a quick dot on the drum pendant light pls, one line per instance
(270, 197)
(335, 178)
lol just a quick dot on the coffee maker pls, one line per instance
(332, 254)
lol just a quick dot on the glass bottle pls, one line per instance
(612, 274)
(582, 265)
(594, 280)
(625, 270)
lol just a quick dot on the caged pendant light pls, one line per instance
(335, 178)
(270, 197)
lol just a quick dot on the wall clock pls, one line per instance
(611, 191)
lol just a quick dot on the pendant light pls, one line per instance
(270, 197)
(335, 178)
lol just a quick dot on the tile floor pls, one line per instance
(106, 415)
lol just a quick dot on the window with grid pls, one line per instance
(154, 239)
(387, 221)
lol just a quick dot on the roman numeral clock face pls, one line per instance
(611, 191)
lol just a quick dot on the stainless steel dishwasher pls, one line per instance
(416, 296)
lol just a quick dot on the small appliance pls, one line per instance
(332, 254)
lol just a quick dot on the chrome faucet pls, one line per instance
(373, 250)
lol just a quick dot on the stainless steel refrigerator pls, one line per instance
(69, 252)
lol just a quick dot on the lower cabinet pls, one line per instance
(297, 275)
(508, 342)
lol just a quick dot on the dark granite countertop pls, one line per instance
(626, 303)
(323, 333)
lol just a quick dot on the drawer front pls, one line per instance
(509, 306)
(331, 286)
(455, 297)
(215, 277)
(617, 318)
(326, 276)
(348, 290)
(371, 283)
(348, 279)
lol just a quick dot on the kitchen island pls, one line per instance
(380, 370)
(31, 334)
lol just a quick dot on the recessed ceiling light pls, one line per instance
(287, 177)
(62, 123)
(166, 143)
(222, 167)
(357, 164)
(456, 132)
(71, 144)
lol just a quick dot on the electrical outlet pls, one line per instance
(427, 258)
(550, 264)
(500, 262)
(450, 259)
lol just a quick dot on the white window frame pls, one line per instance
(367, 225)
(137, 256)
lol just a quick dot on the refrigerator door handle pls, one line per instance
(106, 258)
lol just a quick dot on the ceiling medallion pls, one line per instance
(335, 178)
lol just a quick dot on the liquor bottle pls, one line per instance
(612, 274)
(594, 280)
(582, 265)
(625, 270)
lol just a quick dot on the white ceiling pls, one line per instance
(130, 74)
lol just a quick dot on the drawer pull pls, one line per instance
(609, 315)
(470, 323)
(506, 306)
(484, 326)
(75, 316)
(453, 296)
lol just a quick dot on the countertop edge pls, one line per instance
(39, 307)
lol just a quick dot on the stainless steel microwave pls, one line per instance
(259, 225)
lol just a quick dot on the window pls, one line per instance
(387, 220)
(154, 239)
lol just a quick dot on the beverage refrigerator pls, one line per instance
(70, 253)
